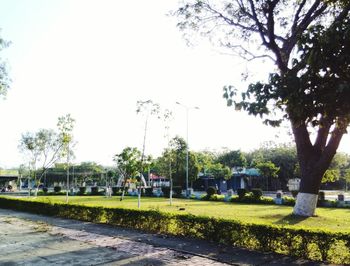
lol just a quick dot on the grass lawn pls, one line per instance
(332, 219)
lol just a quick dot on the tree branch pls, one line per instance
(310, 16)
(302, 140)
(322, 135)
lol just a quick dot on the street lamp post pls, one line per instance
(187, 108)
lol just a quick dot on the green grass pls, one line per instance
(335, 220)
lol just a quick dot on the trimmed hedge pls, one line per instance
(311, 244)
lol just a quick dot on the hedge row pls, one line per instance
(310, 244)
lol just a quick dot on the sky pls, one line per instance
(94, 59)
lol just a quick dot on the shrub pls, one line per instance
(116, 190)
(321, 196)
(294, 193)
(217, 197)
(257, 193)
(304, 243)
(45, 190)
(177, 191)
(241, 192)
(211, 191)
(82, 190)
(166, 192)
(149, 191)
(57, 189)
(94, 190)
(288, 201)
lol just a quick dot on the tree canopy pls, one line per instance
(310, 45)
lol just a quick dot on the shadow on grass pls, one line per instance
(290, 219)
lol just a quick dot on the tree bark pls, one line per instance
(314, 160)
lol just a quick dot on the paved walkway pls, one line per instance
(28, 239)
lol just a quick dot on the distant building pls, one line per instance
(8, 180)
(241, 178)
(158, 181)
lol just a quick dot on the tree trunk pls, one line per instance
(314, 160)
(308, 195)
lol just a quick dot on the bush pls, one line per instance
(294, 193)
(321, 196)
(211, 191)
(177, 191)
(166, 192)
(312, 244)
(288, 201)
(149, 191)
(82, 190)
(257, 193)
(94, 190)
(116, 190)
(57, 189)
(45, 190)
(217, 197)
(241, 192)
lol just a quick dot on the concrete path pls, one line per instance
(28, 239)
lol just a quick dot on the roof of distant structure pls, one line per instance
(246, 171)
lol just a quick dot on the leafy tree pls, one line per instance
(204, 160)
(268, 170)
(283, 156)
(43, 147)
(176, 153)
(65, 125)
(217, 170)
(232, 159)
(309, 43)
(87, 171)
(129, 163)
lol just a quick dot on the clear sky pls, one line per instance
(95, 58)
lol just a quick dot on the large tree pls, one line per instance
(42, 149)
(176, 154)
(308, 40)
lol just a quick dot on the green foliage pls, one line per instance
(331, 175)
(166, 192)
(311, 87)
(232, 159)
(177, 191)
(176, 154)
(94, 190)
(217, 170)
(290, 201)
(251, 198)
(304, 243)
(115, 190)
(321, 196)
(268, 169)
(241, 192)
(128, 162)
(82, 190)
(294, 193)
(149, 191)
(57, 189)
(257, 193)
(211, 191)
